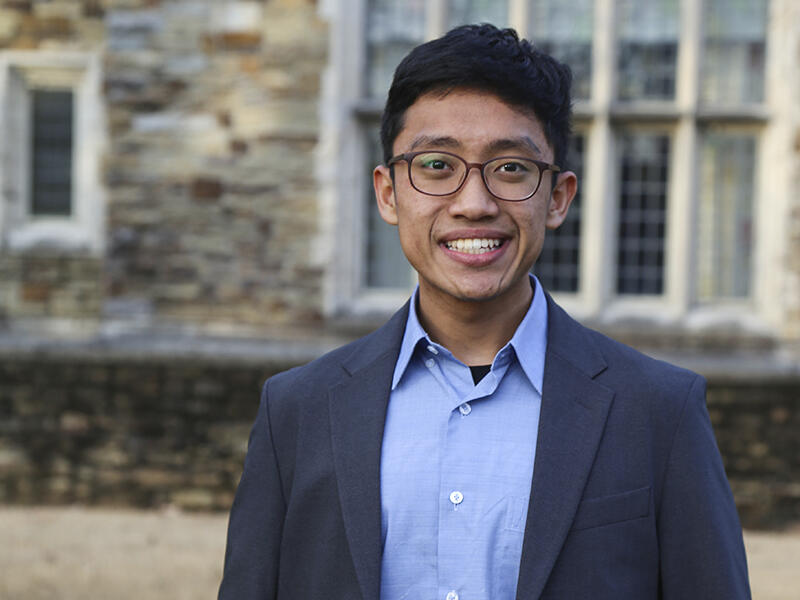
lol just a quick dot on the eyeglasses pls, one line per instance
(511, 178)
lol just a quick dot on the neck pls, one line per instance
(474, 331)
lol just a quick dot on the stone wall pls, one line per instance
(150, 432)
(48, 284)
(213, 117)
(757, 427)
(124, 433)
(209, 172)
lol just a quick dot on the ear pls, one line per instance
(561, 199)
(384, 193)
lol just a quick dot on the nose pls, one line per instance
(473, 200)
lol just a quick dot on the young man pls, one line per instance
(481, 445)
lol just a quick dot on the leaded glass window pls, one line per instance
(393, 28)
(662, 130)
(725, 216)
(643, 168)
(564, 29)
(51, 152)
(734, 51)
(647, 49)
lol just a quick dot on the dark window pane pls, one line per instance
(642, 213)
(51, 153)
(559, 263)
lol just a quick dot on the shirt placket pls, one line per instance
(456, 501)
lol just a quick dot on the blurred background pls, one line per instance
(186, 209)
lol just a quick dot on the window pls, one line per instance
(647, 49)
(725, 215)
(672, 115)
(52, 124)
(643, 162)
(51, 152)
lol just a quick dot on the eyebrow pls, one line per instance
(522, 142)
(440, 141)
(500, 145)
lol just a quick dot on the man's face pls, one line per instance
(477, 126)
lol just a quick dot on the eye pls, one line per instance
(512, 167)
(435, 163)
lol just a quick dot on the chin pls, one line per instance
(481, 294)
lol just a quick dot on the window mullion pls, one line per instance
(775, 191)
(597, 248)
(341, 135)
(435, 18)
(518, 17)
(683, 173)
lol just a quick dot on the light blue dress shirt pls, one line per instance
(456, 465)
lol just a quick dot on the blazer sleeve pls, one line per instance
(701, 547)
(256, 519)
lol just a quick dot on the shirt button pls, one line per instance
(429, 363)
(465, 409)
(432, 349)
(452, 595)
(456, 497)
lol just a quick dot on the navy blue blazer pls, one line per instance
(629, 498)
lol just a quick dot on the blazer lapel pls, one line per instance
(573, 416)
(357, 412)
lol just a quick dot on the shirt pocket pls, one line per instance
(616, 508)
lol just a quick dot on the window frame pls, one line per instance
(596, 118)
(83, 230)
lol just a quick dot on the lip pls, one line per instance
(475, 260)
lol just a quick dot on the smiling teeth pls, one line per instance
(474, 245)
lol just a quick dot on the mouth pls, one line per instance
(474, 245)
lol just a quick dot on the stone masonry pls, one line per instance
(209, 174)
(213, 117)
(100, 429)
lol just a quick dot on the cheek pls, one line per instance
(414, 233)
(415, 223)
(532, 232)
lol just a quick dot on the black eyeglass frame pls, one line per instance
(410, 156)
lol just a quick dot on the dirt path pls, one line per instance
(78, 553)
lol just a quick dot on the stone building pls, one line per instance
(185, 209)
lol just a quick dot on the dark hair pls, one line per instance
(485, 58)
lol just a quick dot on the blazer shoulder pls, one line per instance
(342, 362)
(608, 359)
(635, 363)
(663, 389)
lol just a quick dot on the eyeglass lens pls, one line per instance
(442, 174)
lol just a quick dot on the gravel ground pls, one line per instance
(79, 553)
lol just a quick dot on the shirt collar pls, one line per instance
(529, 340)
(413, 334)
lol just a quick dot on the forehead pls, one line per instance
(472, 121)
